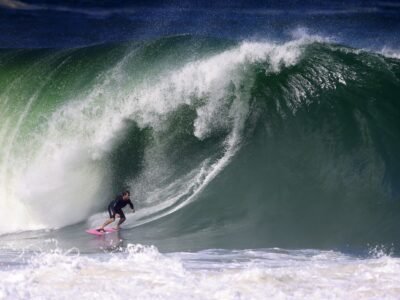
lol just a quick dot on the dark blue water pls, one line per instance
(366, 24)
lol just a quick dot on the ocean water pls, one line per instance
(259, 141)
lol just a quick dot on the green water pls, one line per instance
(291, 147)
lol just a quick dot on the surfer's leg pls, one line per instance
(109, 221)
(121, 219)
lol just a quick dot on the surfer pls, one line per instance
(115, 210)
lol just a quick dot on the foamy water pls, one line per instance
(142, 272)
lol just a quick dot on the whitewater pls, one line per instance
(141, 272)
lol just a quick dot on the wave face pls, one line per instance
(231, 144)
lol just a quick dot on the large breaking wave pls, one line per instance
(296, 143)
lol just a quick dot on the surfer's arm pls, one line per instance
(131, 205)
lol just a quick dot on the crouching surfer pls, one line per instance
(115, 210)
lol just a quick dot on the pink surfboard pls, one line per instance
(95, 232)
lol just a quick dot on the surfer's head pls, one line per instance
(126, 195)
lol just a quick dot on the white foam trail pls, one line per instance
(144, 273)
(68, 172)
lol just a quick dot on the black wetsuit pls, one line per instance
(116, 206)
